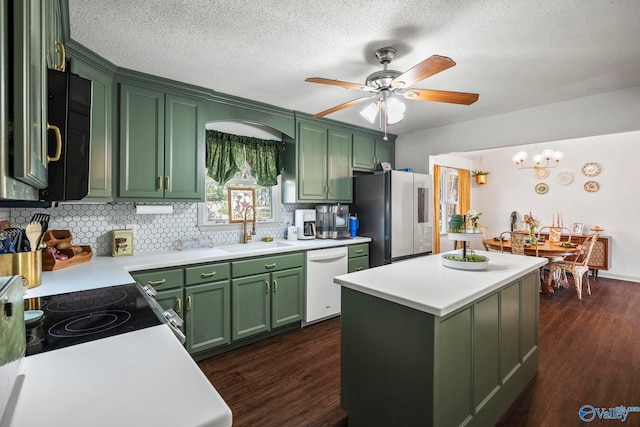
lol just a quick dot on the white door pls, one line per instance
(402, 214)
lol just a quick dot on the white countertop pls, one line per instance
(135, 379)
(104, 271)
(141, 378)
(425, 284)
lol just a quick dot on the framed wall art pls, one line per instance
(239, 200)
(122, 242)
(576, 228)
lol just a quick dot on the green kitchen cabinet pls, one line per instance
(161, 147)
(324, 172)
(28, 113)
(54, 43)
(464, 368)
(101, 140)
(323, 164)
(207, 317)
(358, 257)
(369, 151)
(200, 294)
(267, 293)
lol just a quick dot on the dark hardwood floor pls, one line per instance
(589, 355)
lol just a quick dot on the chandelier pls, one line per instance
(387, 109)
(541, 161)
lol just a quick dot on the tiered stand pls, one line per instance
(468, 262)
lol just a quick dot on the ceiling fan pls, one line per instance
(385, 84)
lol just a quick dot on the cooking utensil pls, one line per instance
(43, 219)
(34, 234)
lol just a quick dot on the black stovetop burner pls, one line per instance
(78, 317)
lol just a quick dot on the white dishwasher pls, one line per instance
(323, 296)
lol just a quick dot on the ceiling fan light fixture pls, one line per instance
(395, 111)
(370, 112)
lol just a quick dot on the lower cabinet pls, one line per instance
(267, 292)
(201, 296)
(358, 257)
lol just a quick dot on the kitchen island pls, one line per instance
(423, 344)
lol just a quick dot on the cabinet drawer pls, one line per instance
(358, 250)
(358, 264)
(160, 279)
(206, 273)
(266, 264)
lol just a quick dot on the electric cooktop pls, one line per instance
(78, 317)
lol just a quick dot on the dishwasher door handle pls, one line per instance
(326, 255)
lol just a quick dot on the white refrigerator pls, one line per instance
(395, 209)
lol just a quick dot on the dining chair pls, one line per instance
(577, 267)
(555, 236)
(517, 241)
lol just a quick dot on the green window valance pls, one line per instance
(226, 154)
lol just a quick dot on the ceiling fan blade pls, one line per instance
(441, 96)
(342, 106)
(340, 83)
(427, 68)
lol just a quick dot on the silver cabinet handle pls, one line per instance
(179, 304)
(359, 268)
(275, 286)
(268, 266)
(205, 275)
(156, 282)
(189, 303)
(266, 282)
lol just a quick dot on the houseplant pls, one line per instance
(481, 176)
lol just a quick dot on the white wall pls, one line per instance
(614, 207)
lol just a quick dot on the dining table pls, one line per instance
(547, 249)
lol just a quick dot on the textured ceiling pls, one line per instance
(514, 53)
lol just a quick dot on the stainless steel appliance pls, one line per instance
(332, 221)
(323, 296)
(395, 209)
(12, 343)
(78, 317)
(305, 221)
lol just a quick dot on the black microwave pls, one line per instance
(69, 108)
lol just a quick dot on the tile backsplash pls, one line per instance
(91, 224)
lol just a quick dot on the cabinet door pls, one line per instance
(363, 152)
(312, 158)
(29, 93)
(100, 177)
(183, 149)
(251, 305)
(141, 143)
(54, 47)
(171, 299)
(207, 316)
(339, 166)
(287, 297)
(385, 152)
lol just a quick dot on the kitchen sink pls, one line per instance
(253, 247)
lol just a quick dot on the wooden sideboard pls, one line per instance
(601, 256)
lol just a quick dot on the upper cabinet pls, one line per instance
(369, 151)
(28, 80)
(101, 140)
(54, 42)
(321, 169)
(161, 149)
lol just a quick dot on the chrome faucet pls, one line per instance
(246, 237)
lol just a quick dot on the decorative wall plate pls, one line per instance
(541, 173)
(591, 186)
(564, 178)
(591, 169)
(542, 188)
